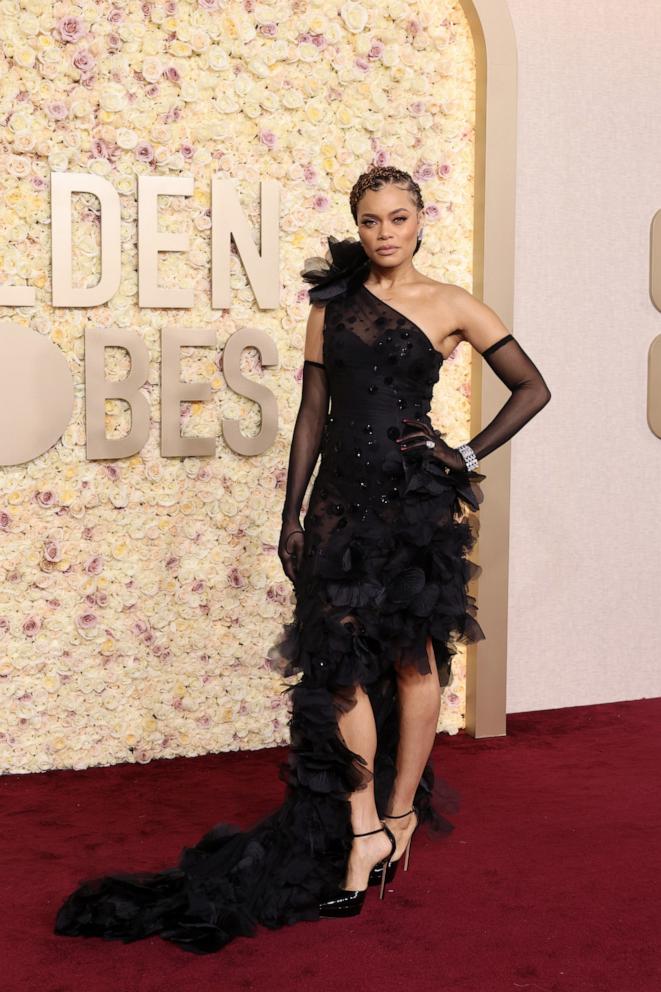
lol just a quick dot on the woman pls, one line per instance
(380, 576)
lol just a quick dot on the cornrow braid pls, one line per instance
(378, 176)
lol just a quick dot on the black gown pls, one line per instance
(384, 567)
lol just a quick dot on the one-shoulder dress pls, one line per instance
(384, 568)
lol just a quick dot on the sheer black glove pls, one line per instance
(529, 394)
(290, 549)
(305, 447)
(417, 437)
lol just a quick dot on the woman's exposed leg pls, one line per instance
(358, 731)
(419, 702)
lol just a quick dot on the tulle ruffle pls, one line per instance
(371, 600)
(393, 582)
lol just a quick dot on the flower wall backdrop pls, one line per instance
(139, 597)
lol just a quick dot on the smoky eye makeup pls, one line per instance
(367, 220)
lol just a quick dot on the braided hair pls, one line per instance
(377, 177)
(347, 264)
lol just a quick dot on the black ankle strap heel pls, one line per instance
(368, 832)
(400, 816)
(349, 902)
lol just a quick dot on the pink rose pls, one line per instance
(424, 172)
(52, 551)
(99, 148)
(57, 110)
(94, 566)
(235, 578)
(268, 138)
(85, 621)
(144, 151)
(45, 497)
(84, 60)
(31, 626)
(5, 520)
(71, 28)
(208, 4)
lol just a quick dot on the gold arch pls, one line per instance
(493, 283)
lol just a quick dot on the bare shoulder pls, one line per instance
(475, 321)
(440, 304)
(446, 294)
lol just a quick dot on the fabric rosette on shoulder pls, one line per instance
(345, 266)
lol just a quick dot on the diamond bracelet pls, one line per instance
(468, 455)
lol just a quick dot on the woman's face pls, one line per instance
(387, 218)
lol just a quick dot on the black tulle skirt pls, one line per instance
(366, 598)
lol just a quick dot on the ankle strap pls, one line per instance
(399, 816)
(368, 832)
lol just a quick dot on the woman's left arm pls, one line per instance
(484, 330)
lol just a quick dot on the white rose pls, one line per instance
(24, 56)
(99, 166)
(126, 138)
(199, 40)
(354, 16)
(292, 99)
(177, 162)
(152, 68)
(189, 91)
(58, 160)
(18, 166)
(308, 52)
(21, 121)
(112, 97)
(391, 56)
(217, 57)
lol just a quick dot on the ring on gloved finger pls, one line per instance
(430, 443)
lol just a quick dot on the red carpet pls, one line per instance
(550, 881)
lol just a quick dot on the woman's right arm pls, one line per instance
(306, 440)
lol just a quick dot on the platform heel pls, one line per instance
(349, 902)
